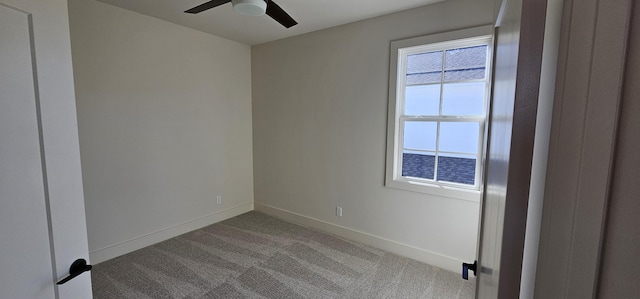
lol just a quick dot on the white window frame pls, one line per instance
(397, 76)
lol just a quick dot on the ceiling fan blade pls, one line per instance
(278, 14)
(207, 5)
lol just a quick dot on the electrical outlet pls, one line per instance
(219, 199)
(339, 211)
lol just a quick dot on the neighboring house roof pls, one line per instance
(450, 169)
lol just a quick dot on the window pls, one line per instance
(438, 99)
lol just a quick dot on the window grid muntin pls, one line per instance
(403, 54)
(437, 152)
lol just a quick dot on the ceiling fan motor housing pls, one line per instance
(250, 7)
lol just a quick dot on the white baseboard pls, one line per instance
(115, 250)
(425, 256)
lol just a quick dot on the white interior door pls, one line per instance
(42, 220)
(517, 63)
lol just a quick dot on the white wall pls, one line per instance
(319, 129)
(164, 116)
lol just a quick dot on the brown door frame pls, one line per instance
(589, 85)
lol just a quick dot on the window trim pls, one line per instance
(393, 178)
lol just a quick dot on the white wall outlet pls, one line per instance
(339, 211)
(219, 199)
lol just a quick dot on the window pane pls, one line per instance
(457, 169)
(465, 63)
(460, 137)
(415, 79)
(424, 68)
(422, 100)
(418, 165)
(420, 135)
(463, 98)
(464, 74)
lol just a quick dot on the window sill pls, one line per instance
(437, 190)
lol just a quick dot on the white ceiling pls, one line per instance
(311, 15)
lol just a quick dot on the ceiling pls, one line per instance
(311, 15)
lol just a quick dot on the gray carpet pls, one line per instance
(258, 256)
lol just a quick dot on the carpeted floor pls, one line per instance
(258, 256)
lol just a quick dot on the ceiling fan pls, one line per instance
(251, 8)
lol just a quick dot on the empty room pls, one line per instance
(317, 149)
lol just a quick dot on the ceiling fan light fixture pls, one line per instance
(250, 7)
